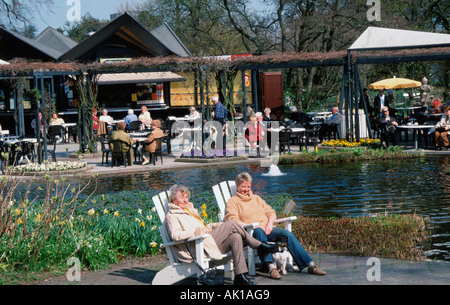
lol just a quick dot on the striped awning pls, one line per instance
(134, 78)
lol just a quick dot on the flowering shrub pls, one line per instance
(48, 166)
(345, 143)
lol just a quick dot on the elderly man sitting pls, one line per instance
(120, 134)
(131, 117)
(333, 124)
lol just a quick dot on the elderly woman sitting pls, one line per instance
(245, 207)
(183, 221)
(150, 144)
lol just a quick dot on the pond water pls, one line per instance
(420, 185)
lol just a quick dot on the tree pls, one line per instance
(78, 30)
(15, 12)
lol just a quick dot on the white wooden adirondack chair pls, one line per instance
(177, 270)
(224, 191)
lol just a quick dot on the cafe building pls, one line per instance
(122, 39)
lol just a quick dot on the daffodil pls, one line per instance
(91, 212)
(116, 213)
(142, 224)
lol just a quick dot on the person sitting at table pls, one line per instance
(145, 118)
(388, 126)
(436, 105)
(441, 130)
(55, 120)
(332, 124)
(120, 134)
(183, 221)
(193, 113)
(131, 117)
(41, 125)
(246, 207)
(150, 144)
(254, 132)
(105, 117)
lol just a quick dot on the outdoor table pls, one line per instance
(192, 132)
(138, 141)
(66, 127)
(415, 129)
(11, 142)
(294, 130)
(139, 134)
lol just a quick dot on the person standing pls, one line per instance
(220, 115)
(380, 101)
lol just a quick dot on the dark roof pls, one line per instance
(166, 35)
(15, 45)
(55, 40)
(125, 29)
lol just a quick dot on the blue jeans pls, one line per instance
(301, 258)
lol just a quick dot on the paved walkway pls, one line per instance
(341, 270)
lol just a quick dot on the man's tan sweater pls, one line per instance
(248, 209)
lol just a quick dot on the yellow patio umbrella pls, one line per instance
(395, 83)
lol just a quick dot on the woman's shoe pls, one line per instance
(316, 270)
(145, 162)
(241, 279)
(265, 248)
(438, 148)
(274, 274)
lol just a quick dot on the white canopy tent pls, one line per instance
(384, 38)
(376, 38)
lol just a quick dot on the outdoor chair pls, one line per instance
(118, 153)
(158, 151)
(135, 126)
(58, 132)
(224, 191)
(20, 151)
(105, 149)
(178, 271)
(285, 139)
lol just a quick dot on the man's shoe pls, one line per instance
(438, 148)
(241, 279)
(447, 148)
(316, 270)
(274, 274)
(265, 248)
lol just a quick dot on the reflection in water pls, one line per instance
(397, 186)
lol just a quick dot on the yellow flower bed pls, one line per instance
(345, 143)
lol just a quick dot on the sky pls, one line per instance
(100, 9)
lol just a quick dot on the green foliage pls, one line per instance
(391, 236)
(344, 155)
